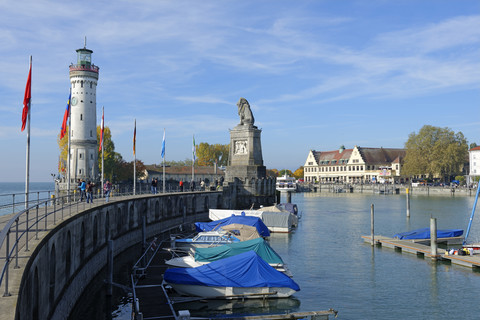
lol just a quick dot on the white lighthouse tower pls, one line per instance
(83, 143)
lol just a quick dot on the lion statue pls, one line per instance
(245, 113)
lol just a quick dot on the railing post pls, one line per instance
(7, 263)
(46, 204)
(26, 231)
(13, 201)
(36, 223)
(54, 212)
(16, 246)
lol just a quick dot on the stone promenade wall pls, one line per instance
(70, 256)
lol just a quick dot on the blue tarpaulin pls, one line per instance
(244, 270)
(245, 220)
(425, 234)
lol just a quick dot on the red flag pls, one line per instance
(26, 99)
(101, 134)
(63, 130)
(134, 136)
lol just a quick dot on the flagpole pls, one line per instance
(103, 143)
(134, 158)
(27, 173)
(163, 159)
(193, 162)
(68, 144)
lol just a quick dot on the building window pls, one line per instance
(73, 84)
(80, 155)
(90, 85)
(81, 117)
(81, 84)
(91, 156)
(80, 171)
(91, 133)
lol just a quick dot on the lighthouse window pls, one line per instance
(81, 117)
(80, 171)
(74, 85)
(81, 84)
(90, 85)
(80, 156)
(91, 156)
(91, 133)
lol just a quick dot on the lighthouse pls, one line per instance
(83, 134)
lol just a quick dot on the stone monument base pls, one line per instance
(245, 172)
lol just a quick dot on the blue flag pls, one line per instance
(163, 144)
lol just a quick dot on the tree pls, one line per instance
(272, 173)
(110, 157)
(208, 154)
(124, 170)
(435, 152)
(298, 174)
(285, 172)
(473, 145)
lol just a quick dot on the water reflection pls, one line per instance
(213, 308)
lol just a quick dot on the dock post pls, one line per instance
(408, 202)
(372, 229)
(433, 237)
(289, 197)
(109, 267)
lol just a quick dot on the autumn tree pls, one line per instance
(298, 174)
(208, 154)
(435, 152)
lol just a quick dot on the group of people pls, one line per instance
(86, 190)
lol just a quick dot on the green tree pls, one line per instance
(473, 145)
(110, 157)
(124, 170)
(435, 152)
(285, 172)
(208, 154)
(298, 173)
(272, 173)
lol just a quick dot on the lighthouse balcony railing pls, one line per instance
(80, 67)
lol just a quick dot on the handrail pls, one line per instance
(30, 223)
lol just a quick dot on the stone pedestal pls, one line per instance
(245, 160)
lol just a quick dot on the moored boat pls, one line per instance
(204, 256)
(205, 239)
(245, 275)
(278, 218)
(286, 183)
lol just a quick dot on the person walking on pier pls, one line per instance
(154, 185)
(89, 190)
(180, 184)
(107, 188)
(82, 186)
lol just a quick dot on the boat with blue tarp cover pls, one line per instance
(235, 220)
(207, 255)
(245, 275)
(424, 233)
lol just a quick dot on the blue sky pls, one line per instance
(317, 74)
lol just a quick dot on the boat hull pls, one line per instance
(232, 292)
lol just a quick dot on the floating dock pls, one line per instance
(422, 247)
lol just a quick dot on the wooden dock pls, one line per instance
(419, 247)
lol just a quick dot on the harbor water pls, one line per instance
(336, 269)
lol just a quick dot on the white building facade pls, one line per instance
(357, 165)
(474, 157)
(83, 134)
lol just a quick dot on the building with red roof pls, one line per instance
(354, 165)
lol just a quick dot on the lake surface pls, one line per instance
(336, 269)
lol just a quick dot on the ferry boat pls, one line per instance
(286, 183)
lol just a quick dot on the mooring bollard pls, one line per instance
(408, 202)
(433, 237)
(372, 229)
